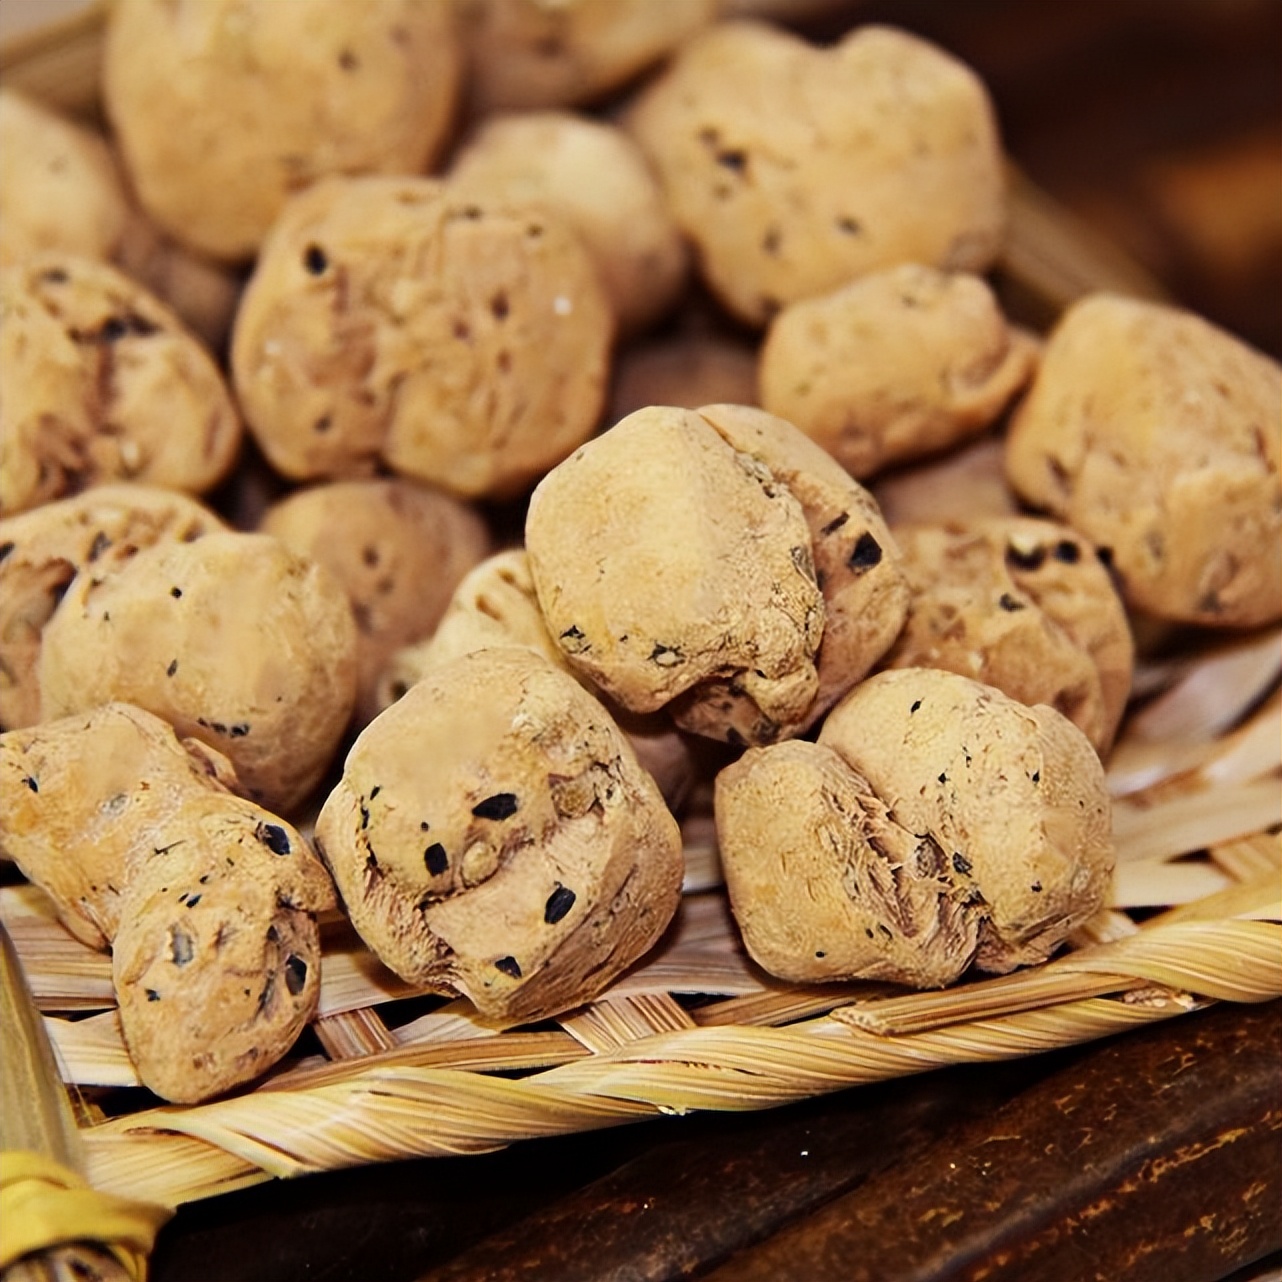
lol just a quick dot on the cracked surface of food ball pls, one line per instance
(1023, 605)
(893, 366)
(880, 150)
(664, 558)
(223, 109)
(1155, 434)
(1013, 797)
(493, 835)
(42, 550)
(594, 177)
(392, 323)
(399, 549)
(102, 382)
(233, 639)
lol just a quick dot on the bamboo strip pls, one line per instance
(59, 62)
(1251, 858)
(1156, 884)
(1195, 820)
(91, 1052)
(613, 1021)
(353, 1034)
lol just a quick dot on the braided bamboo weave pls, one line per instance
(1195, 917)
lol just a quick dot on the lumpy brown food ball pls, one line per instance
(391, 322)
(594, 177)
(399, 549)
(233, 639)
(665, 559)
(207, 900)
(1155, 434)
(528, 53)
(894, 366)
(794, 169)
(42, 551)
(493, 835)
(935, 823)
(102, 382)
(1023, 605)
(223, 108)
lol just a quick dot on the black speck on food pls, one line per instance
(364, 816)
(295, 974)
(1106, 557)
(315, 260)
(274, 837)
(573, 640)
(1010, 603)
(560, 901)
(819, 952)
(1068, 552)
(54, 276)
(499, 306)
(502, 805)
(152, 995)
(172, 668)
(943, 776)
(1030, 559)
(885, 930)
(99, 545)
(424, 826)
(181, 949)
(6, 548)
(193, 901)
(323, 424)
(509, 966)
(865, 554)
(835, 524)
(868, 932)
(239, 730)
(960, 863)
(915, 705)
(1036, 776)
(733, 158)
(771, 241)
(32, 783)
(849, 226)
(436, 859)
(348, 61)
(665, 656)
(375, 790)
(175, 593)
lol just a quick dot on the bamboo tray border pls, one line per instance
(1198, 772)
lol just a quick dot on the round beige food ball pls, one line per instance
(233, 639)
(528, 53)
(893, 366)
(42, 550)
(593, 177)
(1155, 434)
(795, 169)
(223, 108)
(399, 549)
(665, 559)
(390, 322)
(1023, 605)
(493, 835)
(1010, 802)
(102, 382)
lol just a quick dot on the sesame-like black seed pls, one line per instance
(916, 705)
(1030, 559)
(99, 545)
(172, 668)
(152, 995)
(175, 593)
(375, 790)
(849, 226)
(424, 826)
(239, 730)
(560, 901)
(885, 930)
(1105, 556)
(1037, 776)
(943, 776)
(509, 966)
(54, 276)
(32, 784)
(499, 306)
(865, 554)
(960, 863)
(1010, 603)
(274, 837)
(113, 329)
(315, 260)
(181, 950)
(502, 805)
(1068, 552)
(867, 932)
(193, 901)
(5, 548)
(1036, 888)
(573, 640)
(835, 524)
(295, 974)
(436, 859)
(323, 424)
(819, 952)
(364, 816)
(733, 158)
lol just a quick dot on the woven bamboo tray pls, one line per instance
(386, 1073)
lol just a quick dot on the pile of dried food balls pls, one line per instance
(675, 285)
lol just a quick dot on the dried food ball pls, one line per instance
(794, 169)
(528, 53)
(398, 548)
(59, 186)
(965, 484)
(42, 550)
(688, 371)
(496, 607)
(233, 639)
(102, 382)
(223, 108)
(1023, 605)
(207, 900)
(389, 322)
(493, 835)
(935, 823)
(1155, 434)
(593, 177)
(858, 565)
(894, 366)
(664, 559)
